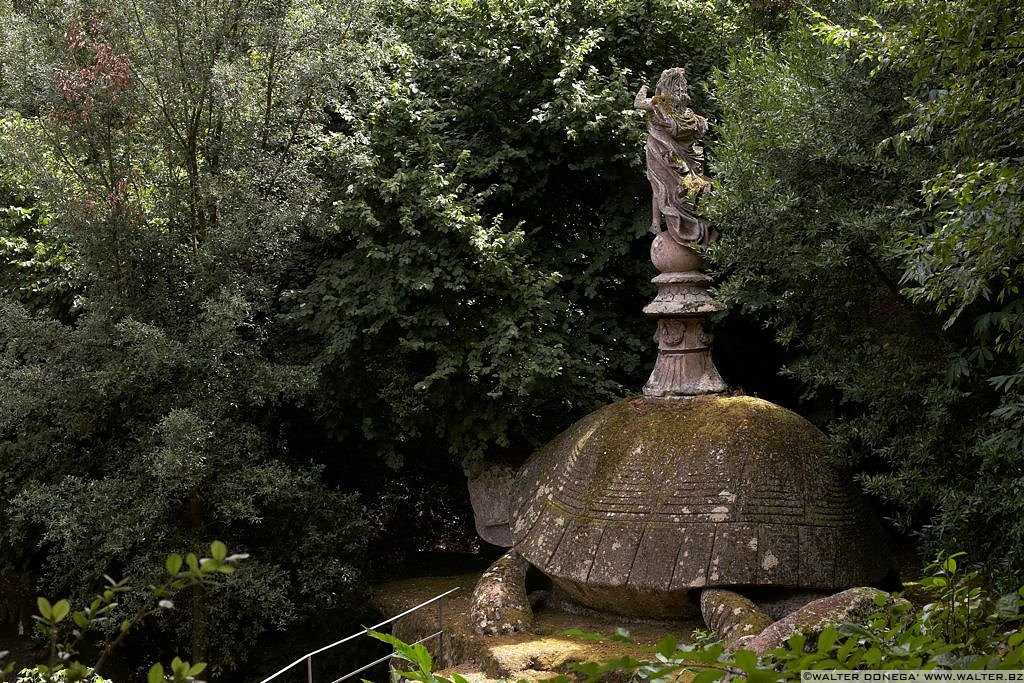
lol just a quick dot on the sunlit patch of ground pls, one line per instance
(542, 653)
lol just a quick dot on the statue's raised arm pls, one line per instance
(675, 160)
(642, 101)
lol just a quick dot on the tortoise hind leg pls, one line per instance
(735, 618)
(499, 603)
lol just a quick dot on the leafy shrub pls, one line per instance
(868, 195)
(66, 630)
(37, 675)
(155, 412)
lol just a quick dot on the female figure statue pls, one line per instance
(675, 162)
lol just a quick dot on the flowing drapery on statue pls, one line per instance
(675, 160)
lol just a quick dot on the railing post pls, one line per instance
(309, 669)
(440, 637)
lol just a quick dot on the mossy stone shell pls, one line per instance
(644, 500)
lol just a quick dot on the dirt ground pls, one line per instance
(544, 652)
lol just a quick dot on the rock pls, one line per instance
(733, 617)
(499, 603)
(850, 606)
(489, 494)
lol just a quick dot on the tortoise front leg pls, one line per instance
(499, 603)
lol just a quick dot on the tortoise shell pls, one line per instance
(644, 500)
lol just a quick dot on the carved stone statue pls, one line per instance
(675, 167)
(675, 160)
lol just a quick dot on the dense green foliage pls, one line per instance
(251, 253)
(277, 241)
(868, 194)
(176, 182)
(485, 276)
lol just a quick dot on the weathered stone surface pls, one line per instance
(489, 494)
(645, 500)
(499, 603)
(849, 606)
(733, 617)
(675, 159)
(675, 168)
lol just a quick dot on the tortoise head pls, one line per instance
(489, 493)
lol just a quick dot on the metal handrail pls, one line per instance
(383, 659)
(308, 657)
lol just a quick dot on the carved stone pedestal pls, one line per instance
(684, 367)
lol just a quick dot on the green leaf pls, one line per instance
(856, 630)
(746, 660)
(45, 608)
(708, 675)
(218, 551)
(796, 642)
(845, 649)
(402, 649)
(61, 610)
(156, 674)
(826, 640)
(421, 657)
(762, 676)
(173, 564)
(667, 646)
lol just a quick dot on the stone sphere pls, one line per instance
(643, 501)
(668, 256)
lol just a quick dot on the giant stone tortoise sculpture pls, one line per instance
(641, 505)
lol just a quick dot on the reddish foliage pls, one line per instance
(97, 78)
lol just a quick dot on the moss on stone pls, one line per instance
(499, 603)
(661, 496)
(649, 432)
